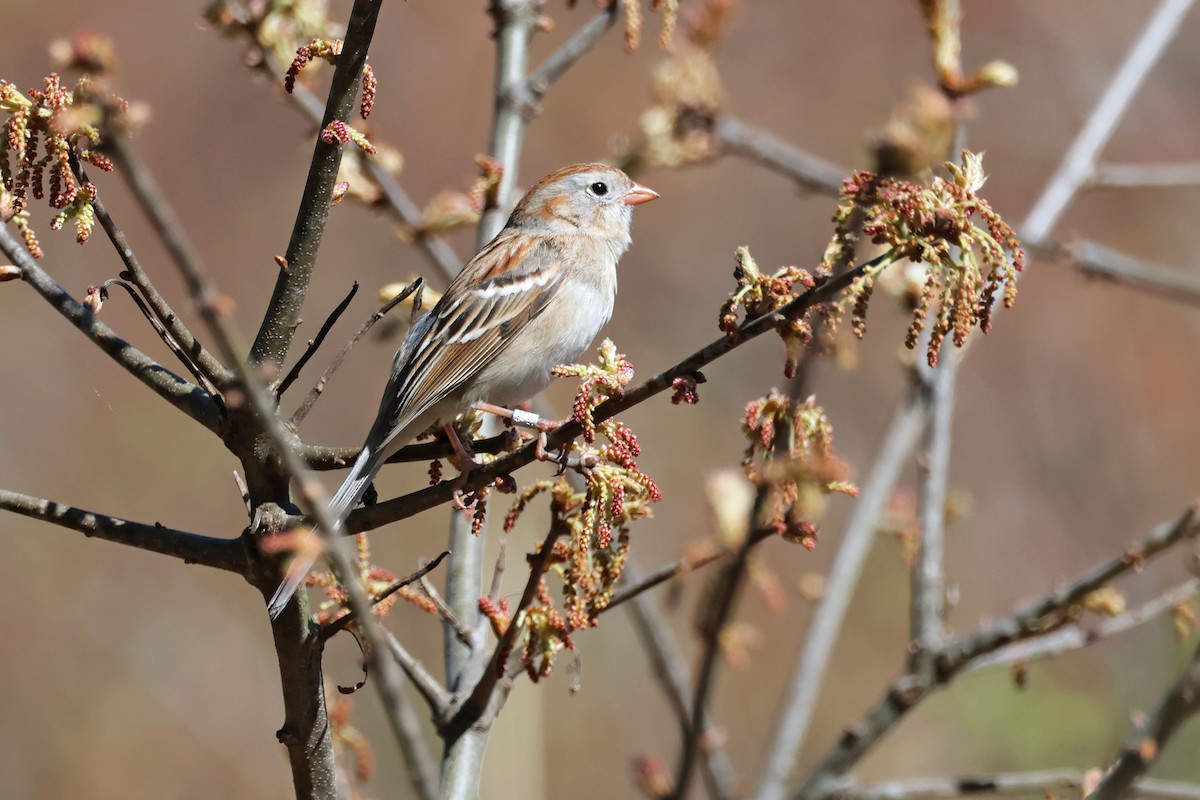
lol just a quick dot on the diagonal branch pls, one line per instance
(191, 548)
(811, 172)
(314, 344)
(291, 287)
(671, 671)
(1047, 783)
(1031, 620)
(527, 94)
(1076, 636)
(314, 394)
(1147, 742)
(208, 371)
(158, 211)
(183, 395)
(1079, 160)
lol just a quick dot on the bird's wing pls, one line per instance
(507, 284)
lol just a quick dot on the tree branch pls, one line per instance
(1076, 636)
(1148, 740)
(1079, 160)
(1140, 176)
(315, 343)
(527, 94)
(191, 548)
(1031, 620)
(279, 322)
(928, 601)
(1051, 782)
(1096, 260)
(671, 670)
(182, 394)
(158, 211)
(811, 172)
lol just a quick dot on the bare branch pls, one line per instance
(811, 172)
(350, 616)
(1047, 782)
(1080, 158)
(527, 94)
(1037, 617)
(314, 343)
(191, 548)
(1142, 176)
(162, 219)
(928, 579)
(1099, 261)
(1033, 619)
(427, 686)
(183, 395)
(291, 287)
(1146, 743)
(314, 393)
(671, 671)
(1076, 635)
(142, 303)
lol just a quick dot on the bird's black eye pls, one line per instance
(599, 188)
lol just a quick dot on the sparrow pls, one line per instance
(531, 299)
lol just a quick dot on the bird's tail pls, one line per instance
(347, 497)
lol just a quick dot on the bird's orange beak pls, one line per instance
(638, 194)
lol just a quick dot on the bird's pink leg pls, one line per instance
(469, 464)
(526, 419)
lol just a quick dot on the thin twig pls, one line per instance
(1098, 261)
(350, 616)
(796, 712)
(636, 586)
(426, 685)
(1080, 158)
(1143, 176)
(811, 172)
(1051, 782)
(1031, 620)
(314, 343)
(314, 393)
(527, 94)
(1076, 635)
(158, 211)
(191, 548)
(167, 338)
(321, 457)
(1148, 740)
(447, 614)
(179, 393)
(671, 670)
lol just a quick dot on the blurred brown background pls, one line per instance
(130, 675)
